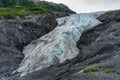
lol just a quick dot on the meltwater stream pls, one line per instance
(58, 45)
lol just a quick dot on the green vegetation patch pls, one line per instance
(21, 11)
(10, 8)
(99, 68)
(9, 3)
(110, 70)
(92, 69)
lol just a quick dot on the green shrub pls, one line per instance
(99, 68)
(92, 69)
(110, 70)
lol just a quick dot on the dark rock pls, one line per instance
(16, 33)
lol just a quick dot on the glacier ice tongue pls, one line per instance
(58, 45)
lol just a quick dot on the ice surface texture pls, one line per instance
(58, 45)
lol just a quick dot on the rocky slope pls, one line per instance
(16, 33)
(98, 59)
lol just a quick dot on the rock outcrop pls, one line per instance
(16, 33)
(98, 59)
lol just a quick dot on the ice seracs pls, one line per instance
(58, 45)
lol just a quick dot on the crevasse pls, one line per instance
(58, 45)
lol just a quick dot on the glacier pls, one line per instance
(58, 45)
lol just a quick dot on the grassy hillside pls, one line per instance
(21, 10)
(9, 8)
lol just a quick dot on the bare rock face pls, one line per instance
(16, 33)
(99, 47)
